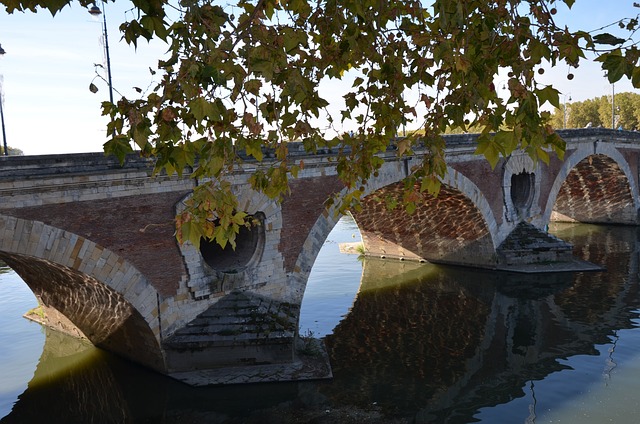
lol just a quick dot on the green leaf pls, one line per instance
(119, 147)
(607, 38)
(220, 236)
(201, 109)
(288, 119)
(253, 86)
(255, 150)
(549, 94)
(488, 148)
(431, 184)
(141, 134)
(635, 78)
(614, 64)
(191, 232)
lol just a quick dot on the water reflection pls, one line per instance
(421, 344)
(72, 381)
(444, 342)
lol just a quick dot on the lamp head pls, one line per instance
(2, 52)
(95, 11)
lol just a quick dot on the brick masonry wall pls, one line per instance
(300, 210)
(548, 172)
(487, 180)
(138, 228)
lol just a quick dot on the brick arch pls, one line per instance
(594, 186)
(325, 219)
(448, 228)
(458, 181)
(467, 195)
(103, 295)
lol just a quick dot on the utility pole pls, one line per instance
(4, 133)
(613, 104)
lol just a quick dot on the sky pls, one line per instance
(47, 69)
(49, 64)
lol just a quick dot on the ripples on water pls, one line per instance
(419, 344)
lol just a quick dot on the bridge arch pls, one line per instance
(596, 185)
(483, 224)
(103, 295)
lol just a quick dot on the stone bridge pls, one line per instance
(95, 243)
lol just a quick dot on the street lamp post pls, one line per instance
(613, 106)
(4, 133)
(564, 122)
(96, 12)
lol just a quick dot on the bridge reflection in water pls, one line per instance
(443, 342)
(422, 343)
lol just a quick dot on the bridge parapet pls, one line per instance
(27, 181)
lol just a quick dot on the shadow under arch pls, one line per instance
(76, 280)
(594, 185)
(449, 228)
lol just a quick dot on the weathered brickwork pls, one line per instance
(486, 180)
(104, 316)
(446, 228)
(101, 293)
(301, 209)
(618, 146)
(596, 191)
(139, 228)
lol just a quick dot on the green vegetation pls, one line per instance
(597, 113)
(12, 151)
(38, 315)
(308, 345)
(241, 77)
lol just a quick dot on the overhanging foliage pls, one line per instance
(246, 76)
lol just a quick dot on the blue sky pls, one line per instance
(49, 65)
(47, 69)
(590, 15)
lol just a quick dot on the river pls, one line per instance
(408, 342)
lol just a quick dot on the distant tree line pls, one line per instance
(13, 151)
(598, 113)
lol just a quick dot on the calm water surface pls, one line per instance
(409, 343)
